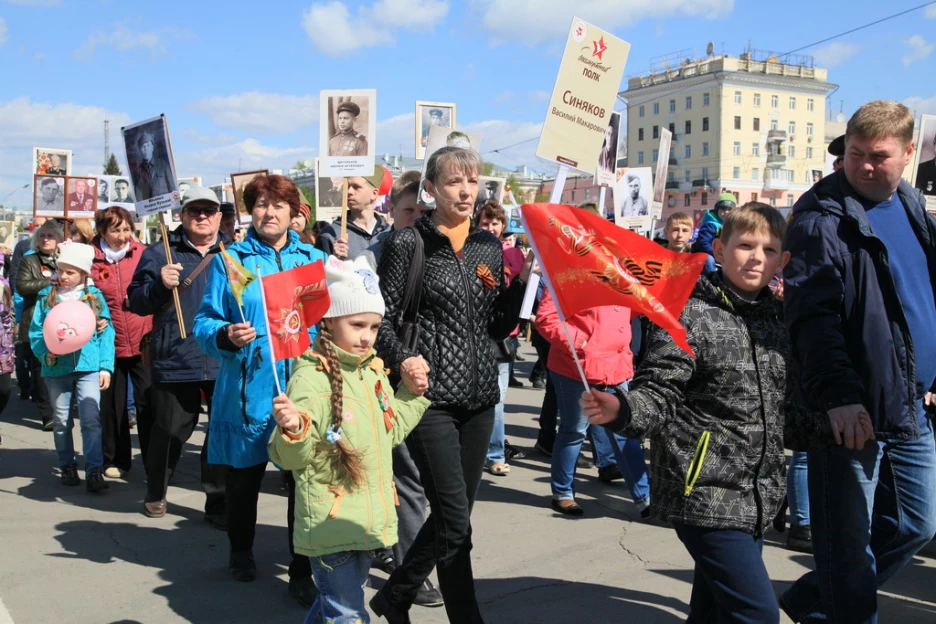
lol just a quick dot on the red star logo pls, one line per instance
(578, 31)
(600, 48)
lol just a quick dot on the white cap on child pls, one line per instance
(77, 255)
(353, 288)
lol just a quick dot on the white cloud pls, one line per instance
(217, 162)
(919, 50)
(3, 31)
(122, 38)
(834, 54)
(919, 105)
(254, 111)
(540, 96)
(334, 31)
(930, 12)
(506, 96)
(534, 21)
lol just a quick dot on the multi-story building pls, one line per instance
(753, 124)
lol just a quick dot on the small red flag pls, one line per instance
(591, 262)
(295, 300)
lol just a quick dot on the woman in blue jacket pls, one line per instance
(242, 421)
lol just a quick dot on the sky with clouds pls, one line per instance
(239, 81)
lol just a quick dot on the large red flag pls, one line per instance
(589, 261)
(295, 300)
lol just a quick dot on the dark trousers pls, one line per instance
(175, 409)
(449, 447)
(115, 418)
(731, 584)
(243, 492)
(411, 513)
(24, 380)
(6, 389)
(41, 393)
(549, 413)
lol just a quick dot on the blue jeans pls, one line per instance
(730, 583)
(87, 390)
(798, 490)
(572, 427)
(495, 454)
(340, 579)
(871, 511)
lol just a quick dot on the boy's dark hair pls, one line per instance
(406, 183)
(754, 217)
(678, 217)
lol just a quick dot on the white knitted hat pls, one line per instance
(353, 288)
(77, 255)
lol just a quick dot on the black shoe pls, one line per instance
(539, 384)
(47, 426)
(70, 475)
(428, 596)
(384, 561)
(95, 481)
(304, 590)
(24, 395)
(542, 449)
(581, 462)
(645, 513)
(568, 510)
(132, 418)
(382, 607)
(242, 566)
(515, 383)
(799, 539)
(218, 521)
(609, 473)
(512, 452)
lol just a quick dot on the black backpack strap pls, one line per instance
(412, 295)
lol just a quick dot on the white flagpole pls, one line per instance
(602, 194)
(266, 321)
(558, 186)
(545, 274)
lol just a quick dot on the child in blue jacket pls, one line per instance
(711, 228)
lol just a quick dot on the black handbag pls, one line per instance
(408, 322)
(505, 350)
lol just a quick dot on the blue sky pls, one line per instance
(239, 81)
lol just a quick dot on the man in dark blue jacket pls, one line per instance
(182, 374)
(861, 309)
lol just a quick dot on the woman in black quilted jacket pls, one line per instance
(464, 305)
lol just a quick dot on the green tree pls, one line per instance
(111, 167)
(488, 169)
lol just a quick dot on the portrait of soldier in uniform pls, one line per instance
(431, 115)
(347, 142)
(50, 197)
(149, 159)
(102, 191)
(122, 194)
(926, 170)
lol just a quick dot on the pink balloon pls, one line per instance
(69, 326)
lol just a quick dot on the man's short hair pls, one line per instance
(678, 218)
(492, 210)
(880, 119)
(754, 217)
(47, 182)
(119, 180)
(145, 135)
(406, 183)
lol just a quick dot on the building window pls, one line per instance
(587, 194)
(640, 111)
(789, 200)
(656, 155)
(755, 149)
(705, 199)
(774, 101)
(688, 102)
(755, 174)
(688, 127)
(737, 97)
(773, 201)
(774, 124)
(792, 103)
(736, 173)
(736, 148)
(672, 106)
(705, 99)
(656, 132)
(792, 151)
(688, 151)
(672, 128)
(640, 134)
(757, 99)
(810, 105)
(670, 176)
(809, 153)
(705, 149)
(572, 199)
(737, 122)
(687, 198)
(757, 124)
(656, 108)
(792, 129)
(705, 173)
(753, 197)
(688, 175)
(809, 129)
(640, 160)
(705, 124)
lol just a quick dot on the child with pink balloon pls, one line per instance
(72, 336)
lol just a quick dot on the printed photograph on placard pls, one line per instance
(632, 198)
(428, 115)
(443, 137)
(607, 157)
(51, 161)
(187, 183)
(7, 234)
(925, 173)
(103, 190)
(346, 132)
(150, 165)
(815, 176)
(81, 197)
(424, 198)
(49, 196)
(121, 193)
(239, 181)
(489, 189)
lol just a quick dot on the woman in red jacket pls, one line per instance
(116, 255)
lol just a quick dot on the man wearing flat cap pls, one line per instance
(435, 119)
(347, 142)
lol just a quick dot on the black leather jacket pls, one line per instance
(35, 273)
(464, 304)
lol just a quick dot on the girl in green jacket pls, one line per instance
(337, 428)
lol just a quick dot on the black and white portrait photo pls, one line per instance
(150, 162)
(347, 126)
(632, 197)
(815, 175)
(187, 183)
(429, 114)
(103, 190)
(121, 193)
(925, 179)
(440, 137)
(49, 198)
(489, 189)
(607, 157)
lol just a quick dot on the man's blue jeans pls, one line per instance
(871, 511)
(495, 454)
(87, 390)
(572, 426)
(798, 490)
(340, 579)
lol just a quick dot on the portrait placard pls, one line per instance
(607, 157)
(149, 155)
(346, 132)
(924, 173)
(632, 198)
(184, 185)
(48, 196)
(327, 195)
(489, 188)
(81, 197)
(7, 234)
(115, 191)
(429, 114)
(583, 98)
(440, 137)
(51, 161)
(662, 167)
(238, 182)
(423, 198)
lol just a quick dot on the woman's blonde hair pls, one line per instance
(462, 160)
(49, 226)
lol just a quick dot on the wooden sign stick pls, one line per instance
(344, 208)
(175, 291)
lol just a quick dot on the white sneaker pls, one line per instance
(113, 472)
